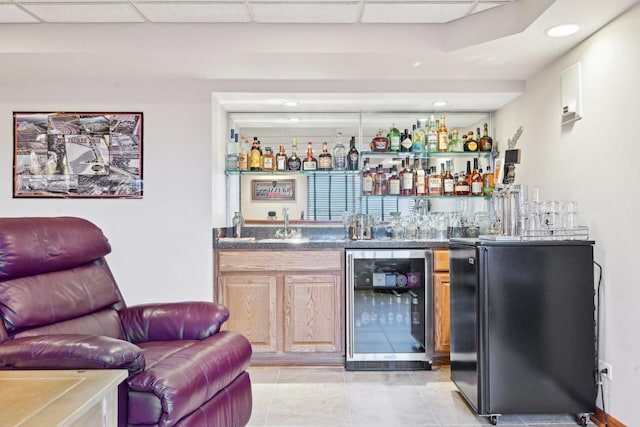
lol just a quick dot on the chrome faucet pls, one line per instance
(286, 232)
(285, 214)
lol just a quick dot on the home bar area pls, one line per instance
(350, 256)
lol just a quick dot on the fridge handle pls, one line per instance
(349, 303)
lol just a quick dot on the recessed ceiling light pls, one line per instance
(290, 103)
(562, 30)
(440, 103)
(416, 64)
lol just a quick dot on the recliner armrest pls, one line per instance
(71, 351)
(173, 321)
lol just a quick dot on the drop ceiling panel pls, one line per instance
(12, 14)
(89, 12)
(398, 12)
(307, 12)
(201, 11)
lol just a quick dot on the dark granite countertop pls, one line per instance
(259, 238)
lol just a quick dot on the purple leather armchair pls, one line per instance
(60, 308)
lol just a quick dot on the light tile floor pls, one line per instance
(331, 396)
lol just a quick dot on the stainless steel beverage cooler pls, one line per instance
(522, 326)
(389, 309)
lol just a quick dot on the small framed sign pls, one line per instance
(273, 189)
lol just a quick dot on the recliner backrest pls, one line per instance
(54, 279)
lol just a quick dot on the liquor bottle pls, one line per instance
(476, 180)
(380, 182)
(456, 144)
(309, 163)
(406, 180)
(243, 155)
(461, 187)
(448, 182)
(465, 145)
(367, 179)
(443, 136)
(325, 161)
(419, 139)
(467, 176)
(434, 183)
(472, 144)
(380, 142)
(394, 138)
(232, 152)
(268, 160)
(406, 142)
(255, 158)
(393, 182)
(352, 156)
(293, 162)
(339, 154)
(432, 136)
(281, 160)
(486, 142)
(420, 180)
(488, 182)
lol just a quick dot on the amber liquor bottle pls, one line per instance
(448, 182)
(268, 160)
(434, 183)
(281, 160)
(325, 160)
(406, 180)
(393, 183)
(472, 144)
(255, 157)
(443, 136)
(461, 186)
(476, 180)
(294, 163)
(380, 182)
(486, 142)
(420, 185)
(488, 182)
(309, 163)
(367, 179)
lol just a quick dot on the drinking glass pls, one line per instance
(531, 220)
(549, 217)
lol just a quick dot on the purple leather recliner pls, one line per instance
(60, 308)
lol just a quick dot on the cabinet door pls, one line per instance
(442, 325)
(252, 302)
(313, 313)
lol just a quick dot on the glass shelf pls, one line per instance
(430, 155)
(425, 197)
(266, 173)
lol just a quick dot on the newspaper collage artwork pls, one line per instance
(78, 155)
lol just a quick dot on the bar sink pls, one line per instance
(291, 240)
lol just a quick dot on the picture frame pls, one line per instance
(273, 189)
(77, 154)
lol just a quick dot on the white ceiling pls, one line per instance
(258, 11)
(331, 55)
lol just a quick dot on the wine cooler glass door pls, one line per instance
(387, 309)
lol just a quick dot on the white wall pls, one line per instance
(594, 161)
(161, 243)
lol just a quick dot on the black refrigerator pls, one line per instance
(523, 326)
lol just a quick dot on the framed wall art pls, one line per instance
(77, 155)
(273, 189)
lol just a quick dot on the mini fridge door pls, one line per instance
(464, 296)
(388, 301)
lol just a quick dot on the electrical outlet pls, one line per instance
(604, 365)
